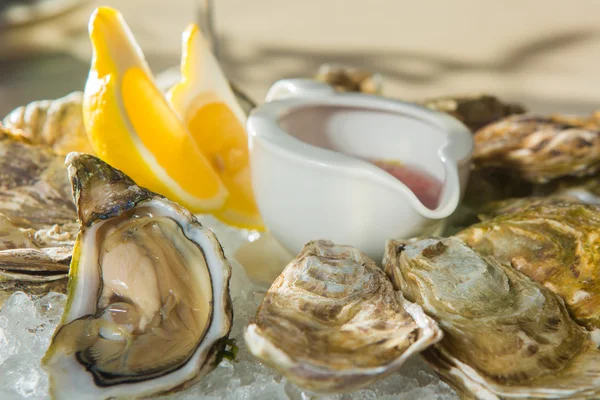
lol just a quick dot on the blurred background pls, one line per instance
(543, 53)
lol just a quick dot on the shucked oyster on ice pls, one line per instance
(332, 322)
(148, 309)
(539, 149)
(556, 245)
(505, 336)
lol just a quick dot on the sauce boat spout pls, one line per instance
(318, 170)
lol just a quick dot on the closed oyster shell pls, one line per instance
(556, 245)
(586, 189)
(332, 322)
(475, 111)
(38, 222)
(349, 79)
(539, 148)
(505, 336)
(34, 187)
(517, 205)
(32, 284)
(148, 309)
(55, 123)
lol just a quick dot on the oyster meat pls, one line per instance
(538, 148)
(505, 335)
(475, 111)
(55, 123)
(148, 309)
(556, 245)
(332, 322)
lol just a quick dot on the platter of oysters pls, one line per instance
(137, 259)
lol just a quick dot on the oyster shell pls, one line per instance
(148, 309)
(556, 245)
(517, 205)
(55, 123)
(348, 79)
(586, 189)
(505, 336)
(332, 322)
(34, 188)
(33, 284)
(539, 148)
(475, 111)
(37, 218)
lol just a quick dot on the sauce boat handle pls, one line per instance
(290, 88)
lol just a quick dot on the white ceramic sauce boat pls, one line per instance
(307, 187)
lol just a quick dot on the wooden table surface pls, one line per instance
(544, 53)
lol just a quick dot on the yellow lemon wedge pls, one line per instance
(132, 127)
(208, 107)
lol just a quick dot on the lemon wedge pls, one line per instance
(132, 127)
(208, 107)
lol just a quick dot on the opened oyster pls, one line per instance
(148, 309)
(539, 149)
(475, 111)
(332, 322)
(556, 245)
(505, 336)
(55, 123)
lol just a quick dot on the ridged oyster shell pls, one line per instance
(332, 322)
(148, 309)
(349, 79)
(55, 123)
(475, 111)
(505, 336)
(34, 187)
(38, 221)
(540, 148)
(556, 245)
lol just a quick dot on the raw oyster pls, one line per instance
(517, 205)
(148, 309)
(556, 245)
(586, 189)
(347, 79)
(505, 336)
(37, 218)
(539, 148)
(568, 190)
(55, 123)
(475, 111)
(34, 188)
(36, 285)
(332, 322)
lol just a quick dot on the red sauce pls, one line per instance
(426, 187)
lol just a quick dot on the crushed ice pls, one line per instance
(27, 324)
